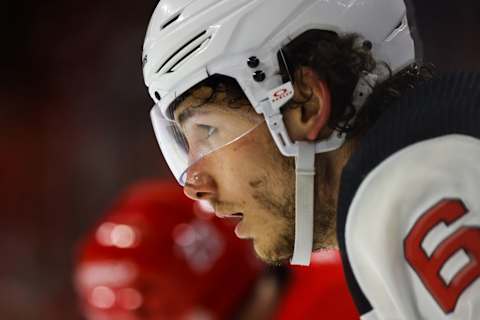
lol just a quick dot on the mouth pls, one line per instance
(233, 215)
(236, 218)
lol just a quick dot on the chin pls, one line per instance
(268, 254)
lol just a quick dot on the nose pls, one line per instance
(200, 186)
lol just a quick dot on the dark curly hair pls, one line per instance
(340, 61)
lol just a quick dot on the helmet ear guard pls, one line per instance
(191, 40)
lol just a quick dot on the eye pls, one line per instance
(208, 129)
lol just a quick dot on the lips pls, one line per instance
(224, 215)
(240, 231)
(240, 228)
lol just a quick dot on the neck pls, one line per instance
(329, 169)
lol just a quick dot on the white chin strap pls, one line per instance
(304, 202)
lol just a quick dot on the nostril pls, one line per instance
(201, 195)
(199, 186)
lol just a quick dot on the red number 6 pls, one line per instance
(428, 268)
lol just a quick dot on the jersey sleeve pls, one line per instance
(413, 232)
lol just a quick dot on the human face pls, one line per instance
(248, 179)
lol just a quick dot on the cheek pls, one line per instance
(231, 170)
(250, 166)
(239, 163)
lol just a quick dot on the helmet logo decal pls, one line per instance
(281, 95)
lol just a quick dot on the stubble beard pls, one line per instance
(274, 192)
(283, 207)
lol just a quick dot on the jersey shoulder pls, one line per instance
(413, 232)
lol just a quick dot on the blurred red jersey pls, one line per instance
(318, 291)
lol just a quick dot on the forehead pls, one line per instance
(206, 100)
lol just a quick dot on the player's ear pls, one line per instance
(308, 114)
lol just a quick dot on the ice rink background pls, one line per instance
(75, 129)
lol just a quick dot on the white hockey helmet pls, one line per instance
(187, 41)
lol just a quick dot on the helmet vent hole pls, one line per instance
(397, 29)
(183, 52)
(169, 22)
(188, 55)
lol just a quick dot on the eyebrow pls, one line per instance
(190, 112)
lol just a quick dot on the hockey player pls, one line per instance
(316, 125)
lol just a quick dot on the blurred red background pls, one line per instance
(75, 129)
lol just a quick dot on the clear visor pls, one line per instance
(197, 132)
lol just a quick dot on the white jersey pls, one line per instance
(408, 218)
(413, 232)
